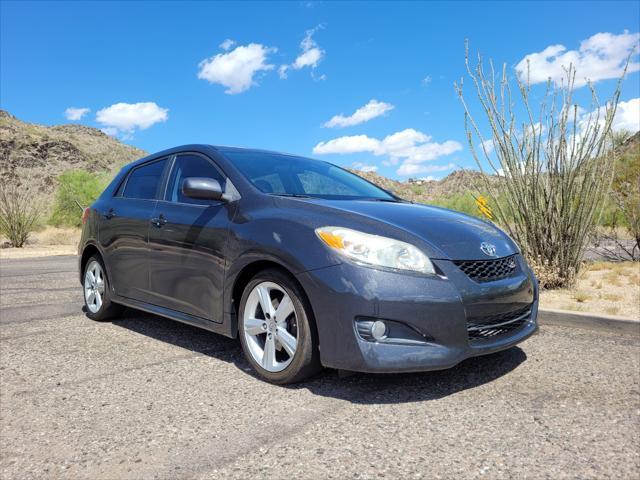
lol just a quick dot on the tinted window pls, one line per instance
(143, 182)
(285, 174)
(190, 166)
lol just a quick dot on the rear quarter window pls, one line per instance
(143, 181)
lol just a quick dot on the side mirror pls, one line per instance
(202, 188)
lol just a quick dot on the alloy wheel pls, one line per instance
(270, 326)
(94, 286)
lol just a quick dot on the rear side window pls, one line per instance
(143, 182)
(190, 165)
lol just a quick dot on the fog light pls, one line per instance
(379, 330)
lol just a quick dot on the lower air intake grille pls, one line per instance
(491, 326)
(488, 270)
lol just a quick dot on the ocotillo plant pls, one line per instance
(553, 160)
(19, 214)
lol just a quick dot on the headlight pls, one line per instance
(375, 250)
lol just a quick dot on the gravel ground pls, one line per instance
(144, 397)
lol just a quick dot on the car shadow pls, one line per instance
(357, 387)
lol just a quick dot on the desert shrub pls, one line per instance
(620, 240)
(19, 214)
(462, 202)
(555, 161)
(76, 189)
(626, 195)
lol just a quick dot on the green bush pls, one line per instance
(462, 202)
(74, 187)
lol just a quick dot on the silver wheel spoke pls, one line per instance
(269, 355)
(254, 326)
(288, 341)
(94, 287)
(265, 300)
(284, 309)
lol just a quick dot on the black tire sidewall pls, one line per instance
(306, 359)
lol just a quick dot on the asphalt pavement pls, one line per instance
(145, 397)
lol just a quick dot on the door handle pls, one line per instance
(159, 221)
(109, 214)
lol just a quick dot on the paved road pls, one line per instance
(144, 397)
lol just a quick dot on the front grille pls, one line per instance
(490, 326)
(488, 270)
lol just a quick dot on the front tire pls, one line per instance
(97, 295)
(277, 329)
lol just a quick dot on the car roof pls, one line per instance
(204, 148)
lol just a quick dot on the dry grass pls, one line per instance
(612, 297)
(612, 279)
(612, 310)
(46, 242)
(581, 296)
(57, 236)
(602, 288)
(595, 266)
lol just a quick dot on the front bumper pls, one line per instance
(436, 307)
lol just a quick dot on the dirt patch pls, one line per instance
(603, 288)
(47, 242)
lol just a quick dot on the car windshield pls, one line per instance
(288, 175)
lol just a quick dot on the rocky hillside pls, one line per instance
(457, 183)
(34, 155)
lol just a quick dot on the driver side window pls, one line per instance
(190, 165)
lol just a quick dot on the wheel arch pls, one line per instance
(88, 251)
(245, 275)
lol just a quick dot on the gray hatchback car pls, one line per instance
(308, 264)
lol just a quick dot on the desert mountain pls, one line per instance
(426, 191)
(34, 155)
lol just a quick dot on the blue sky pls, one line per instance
(157, 74)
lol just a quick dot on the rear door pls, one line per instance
(124, 229)
(187, 240)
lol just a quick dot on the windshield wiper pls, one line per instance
(389, 200)
(294, 195)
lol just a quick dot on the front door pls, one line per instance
(187, 239)
(124, 230)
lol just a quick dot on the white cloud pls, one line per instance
(363, 114)
(426, 80)
(111, 131)
(487, 146)
(408, 147)
(414, 169)
(310, 57)
(350, 144)
(364, 168)
(599, 57)
(627, 116)
(227, 44)
(536, 129)
(282, 71)
(237, 68)
(128, 117)
(75, 114)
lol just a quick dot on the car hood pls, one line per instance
(451, 235)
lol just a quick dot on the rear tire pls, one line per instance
(277, 329)
(97, 294)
